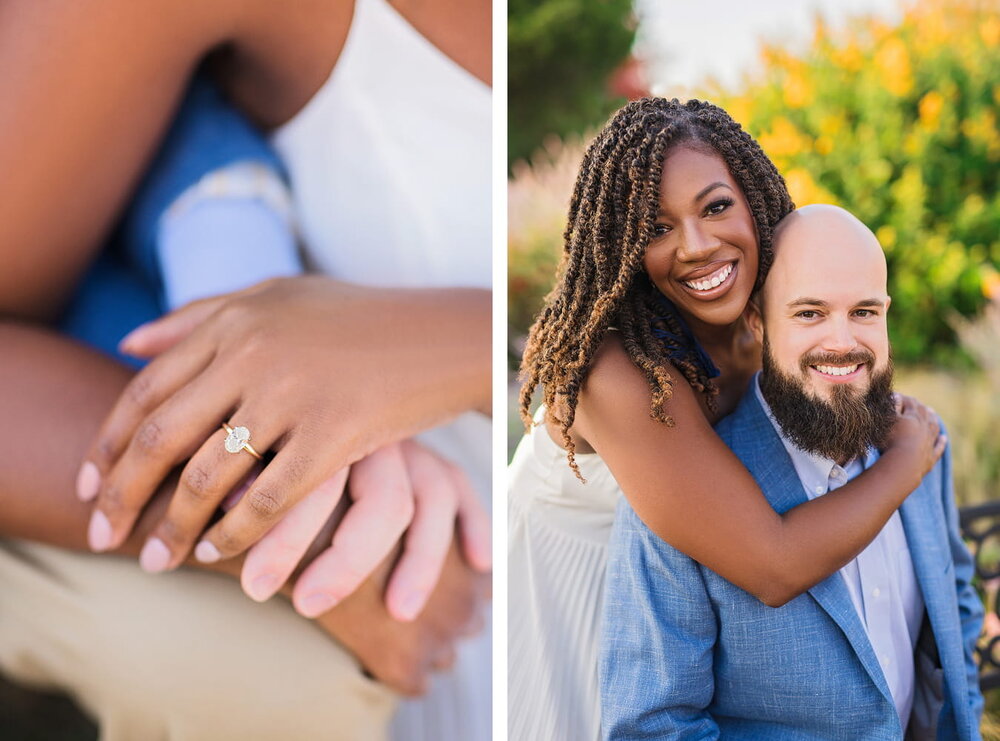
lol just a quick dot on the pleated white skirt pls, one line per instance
(557, 552)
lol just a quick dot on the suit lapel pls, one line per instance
(921, 514)
(756, 443)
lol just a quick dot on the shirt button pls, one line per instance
(820, 490)
(886, 659)
(876, 592)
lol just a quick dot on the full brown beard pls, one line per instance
(841, 429)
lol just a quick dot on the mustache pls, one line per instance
(855, 357)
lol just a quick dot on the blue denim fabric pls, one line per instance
(687, 655)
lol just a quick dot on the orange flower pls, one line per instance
(930, 109)
(893, 64)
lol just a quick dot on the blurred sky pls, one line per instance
(684, 41)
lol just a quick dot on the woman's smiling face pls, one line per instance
(703, 255)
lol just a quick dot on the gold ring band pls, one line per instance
(239, 439)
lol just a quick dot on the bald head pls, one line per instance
(822, 244)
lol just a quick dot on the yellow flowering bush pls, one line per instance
(899, 125)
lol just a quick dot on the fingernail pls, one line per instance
(411, 605)
(206, 552)
(263, 587)
(155, 556)
(88, 482)
(99, 532)
(316, 604)
(135, 336)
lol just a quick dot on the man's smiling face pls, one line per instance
(827, 366)
(825, 302)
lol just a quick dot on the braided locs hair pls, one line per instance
(602, 281)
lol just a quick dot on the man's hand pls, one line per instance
(402, 655)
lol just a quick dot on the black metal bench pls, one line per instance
(981, 529)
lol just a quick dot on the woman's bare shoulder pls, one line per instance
(655, 461)
(615, 382)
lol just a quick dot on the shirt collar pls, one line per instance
(817, 474)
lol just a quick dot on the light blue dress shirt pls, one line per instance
(230, 230)
(881, 580)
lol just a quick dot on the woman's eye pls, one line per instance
(660, 229)
(717, 207)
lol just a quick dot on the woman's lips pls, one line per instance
(702, 287)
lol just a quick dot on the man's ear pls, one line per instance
(755, 318)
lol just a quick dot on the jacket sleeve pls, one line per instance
(970, 606)
(659, 631)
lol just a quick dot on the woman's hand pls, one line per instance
(917, 434)
(402, 487)
(321, 372)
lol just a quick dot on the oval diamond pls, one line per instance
(236, 439)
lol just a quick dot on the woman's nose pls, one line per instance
(696, 244)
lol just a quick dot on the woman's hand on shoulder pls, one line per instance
(916, 435)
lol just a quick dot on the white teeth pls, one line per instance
(833, 370)
(711, 281)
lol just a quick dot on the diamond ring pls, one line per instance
(239, 439)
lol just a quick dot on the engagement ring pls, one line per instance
(239, 439)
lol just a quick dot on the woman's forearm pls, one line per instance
(693, 492)
(454, 327)
(77, 126)
(54, 393)
(820, 536)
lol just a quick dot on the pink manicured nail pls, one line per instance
(99, 532)
(88, 482)
(263, 587)
(155, 556)
(135, 336)
(411, 605)
(206, 552)
(316, 604)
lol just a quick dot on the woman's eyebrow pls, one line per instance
(708, 189)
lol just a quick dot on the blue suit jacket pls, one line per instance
(685, 654)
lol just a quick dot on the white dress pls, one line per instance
(558, 531)
(390, 172)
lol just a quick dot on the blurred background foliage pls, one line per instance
(560, 56)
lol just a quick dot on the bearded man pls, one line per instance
(881, 650)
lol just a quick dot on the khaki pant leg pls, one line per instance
(179, 657)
